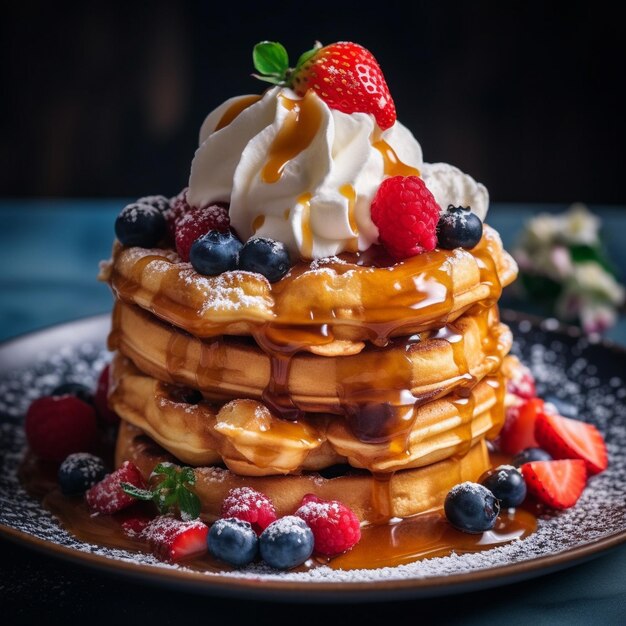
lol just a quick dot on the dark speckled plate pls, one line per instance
(588, 375)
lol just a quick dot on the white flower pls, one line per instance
(580, 226)
(591, 280)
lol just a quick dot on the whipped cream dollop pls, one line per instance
(297, 171)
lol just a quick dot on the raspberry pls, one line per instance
(249, 505)
(59, 426)
(178, 207)
(335, 527)
(406, 214)
(198, 222)
(108, 497)
(101, 399)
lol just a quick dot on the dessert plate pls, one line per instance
(585, 373)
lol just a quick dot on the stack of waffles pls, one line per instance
(354, 378)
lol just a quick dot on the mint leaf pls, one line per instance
(136, 492)
(165, 469)
(187, 475)
(270, 59)
(188, 503)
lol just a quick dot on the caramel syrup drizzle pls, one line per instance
(301, 124)
(235, 109)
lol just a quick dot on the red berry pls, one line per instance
(518, 432)
(101, 399)
(555, 483)
(566, 438)
(178, 208)
(59, 426)
(198, 222)
(347, 77)
(134, 526)
(521, 382)
(108, 497)
(406, 215)
(335, 527)
(172, 539)
(251, 506)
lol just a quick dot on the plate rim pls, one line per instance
(308, 590)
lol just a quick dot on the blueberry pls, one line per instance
(82, 392)
(472, 508)
(265, 256)
(161, 203)
(79, 472)
(563, 407)
(233, 541)
(215, 252)
(458, 227)
(287, 542)
(528, 455)
(140, 225)
(507, 484)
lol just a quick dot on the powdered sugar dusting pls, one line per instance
(586, 375)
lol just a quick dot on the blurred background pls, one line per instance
(106, 98)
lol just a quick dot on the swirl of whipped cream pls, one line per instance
(296, 171)
(449, 185)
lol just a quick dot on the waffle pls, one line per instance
(245, 436)
(393, 372)
(328, 307)
(224, 368)
(372, 498)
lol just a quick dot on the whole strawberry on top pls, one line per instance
(344, 75)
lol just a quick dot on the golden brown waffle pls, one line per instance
(317, 303)
(249, 440)
(405, 493)
(461, 353)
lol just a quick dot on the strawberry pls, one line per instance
(555, 483)
(172, 539)
(518, 431)
(566, 438)
(108, 497)
(344, 75)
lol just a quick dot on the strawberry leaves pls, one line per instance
(171, 493)
(271, 61)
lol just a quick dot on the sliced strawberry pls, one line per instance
(518, 432)
(108, 497)
(172, 539)
(134, 526)
(555, 483)
(566, 438)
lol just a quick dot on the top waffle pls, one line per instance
(317, 303)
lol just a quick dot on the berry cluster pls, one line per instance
(553, 457)
(63, 427)
(249, 526)
(410, 221)
(201, 235)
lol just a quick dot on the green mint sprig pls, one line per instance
(171, 494)
(271, 61)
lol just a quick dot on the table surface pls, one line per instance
(49, 254)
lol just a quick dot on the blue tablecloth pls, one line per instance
(49, 254)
